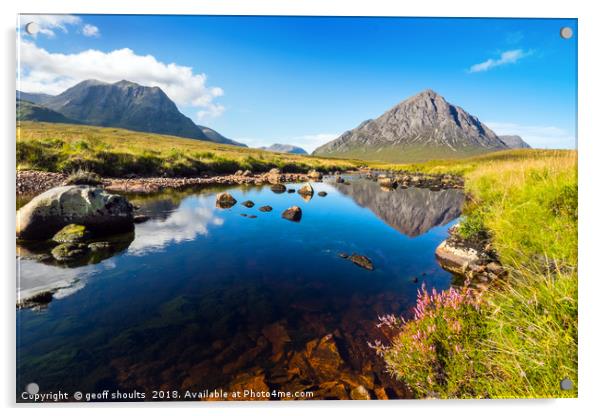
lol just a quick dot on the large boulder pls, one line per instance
(100, 212)
(455, 258)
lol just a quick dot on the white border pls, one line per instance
(590, 142)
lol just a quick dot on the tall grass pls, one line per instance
(116, 152)
(526, 341)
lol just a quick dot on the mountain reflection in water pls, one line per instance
(411, 211)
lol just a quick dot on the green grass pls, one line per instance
(404, 154)
(117, 152)
(527, 338)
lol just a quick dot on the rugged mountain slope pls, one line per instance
(126, 105)
(515, 142)
(285, 148)
(33, 97)
(28, 111)
(420, 128)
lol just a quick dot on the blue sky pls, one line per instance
(305, 80)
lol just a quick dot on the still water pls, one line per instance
(205, 298)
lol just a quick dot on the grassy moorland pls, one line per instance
(518, 339)
(116, 152)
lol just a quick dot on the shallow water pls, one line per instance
(205, 298)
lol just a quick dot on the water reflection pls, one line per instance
(411, 211)
(206, 298)
(190, 220)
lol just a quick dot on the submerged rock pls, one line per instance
(291, 191)
(361, 261)
(96, 209)
(72, 233)
(249, 204)
(360, 393)
(69, 251)
(322, 193)
(279, 188)
(224, 200)
(265, 208)
(292, 214)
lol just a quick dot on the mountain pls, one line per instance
(420, 128)
(33, 97)
(216, 137)
(126, 105)
(28, 111)
(284, 148)
(514, 142)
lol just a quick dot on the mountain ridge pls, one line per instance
(419, 128)
(284, 148)
(125, 104)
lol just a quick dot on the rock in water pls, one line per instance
(360, 393)
(69, 251)
(72, 233)
(278, 188)
(293, 214)
(291, 191)
(99, 211)
(362, 261)
(454, 258)
(224, 200)
(265, 208)
(306, 190)
(249, 204)
(322, 193)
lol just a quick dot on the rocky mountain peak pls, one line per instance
(422, 127)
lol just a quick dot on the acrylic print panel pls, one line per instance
(295, 208)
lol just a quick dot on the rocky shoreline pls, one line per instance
(31, 182)
(474, 259)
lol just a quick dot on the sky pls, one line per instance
(305, 80)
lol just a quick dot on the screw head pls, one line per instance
(566, 33)
(32, 388)
(566, 384)
(32, 28)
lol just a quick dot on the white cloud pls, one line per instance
(307, 142)
(90, 31)
(49, 24)
(543, 137)
(52, 73)
(507, 57)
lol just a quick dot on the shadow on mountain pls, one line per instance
(411, 211)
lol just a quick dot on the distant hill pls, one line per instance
(126, 105)
(514, 142)
(214, 136)
(285, 148)
(421, 128)
(32, 97)
(28, 111)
